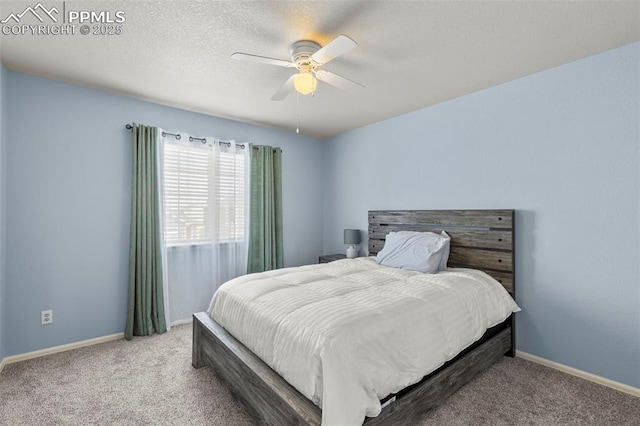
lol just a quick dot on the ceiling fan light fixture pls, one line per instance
(305, 83)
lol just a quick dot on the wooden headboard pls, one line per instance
(480, 239)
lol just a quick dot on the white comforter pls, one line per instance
(348, 333)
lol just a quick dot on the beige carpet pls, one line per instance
(150, 381)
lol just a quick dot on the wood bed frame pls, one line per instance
(480, 239)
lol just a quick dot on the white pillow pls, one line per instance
(445, 251)
(446, 248)
(415, 251)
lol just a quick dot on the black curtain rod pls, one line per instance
(191, 138)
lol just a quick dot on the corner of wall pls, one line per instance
(3, 210)
(326, 201)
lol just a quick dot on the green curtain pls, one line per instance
(145, 313)
(265, 210)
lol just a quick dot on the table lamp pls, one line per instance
(352, 238)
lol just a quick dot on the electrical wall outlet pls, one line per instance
(46, 317)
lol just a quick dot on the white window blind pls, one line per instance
(230, 190)
(204, 195)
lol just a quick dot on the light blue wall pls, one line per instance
(3, 209)
(561, 147)
(68, 204)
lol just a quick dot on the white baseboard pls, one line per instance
(183, 321)
(62, 348)
(579, 373)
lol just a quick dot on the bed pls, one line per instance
(480, 239)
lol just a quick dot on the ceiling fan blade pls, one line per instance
(336, 47)
(262, 59)
(337, 81)
(283, 91)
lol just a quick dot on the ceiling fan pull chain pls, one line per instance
(297, 112)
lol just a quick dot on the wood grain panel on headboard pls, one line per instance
(480, 239)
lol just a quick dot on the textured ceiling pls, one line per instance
(410, 54)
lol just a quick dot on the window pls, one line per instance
(204, 195)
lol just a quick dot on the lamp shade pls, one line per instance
(352, 236)
(304, 83)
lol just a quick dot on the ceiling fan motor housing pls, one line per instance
(302, 50)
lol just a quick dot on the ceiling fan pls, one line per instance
(308, 57)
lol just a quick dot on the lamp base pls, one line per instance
(352, 252)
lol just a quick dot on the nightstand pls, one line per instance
(331, 257)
